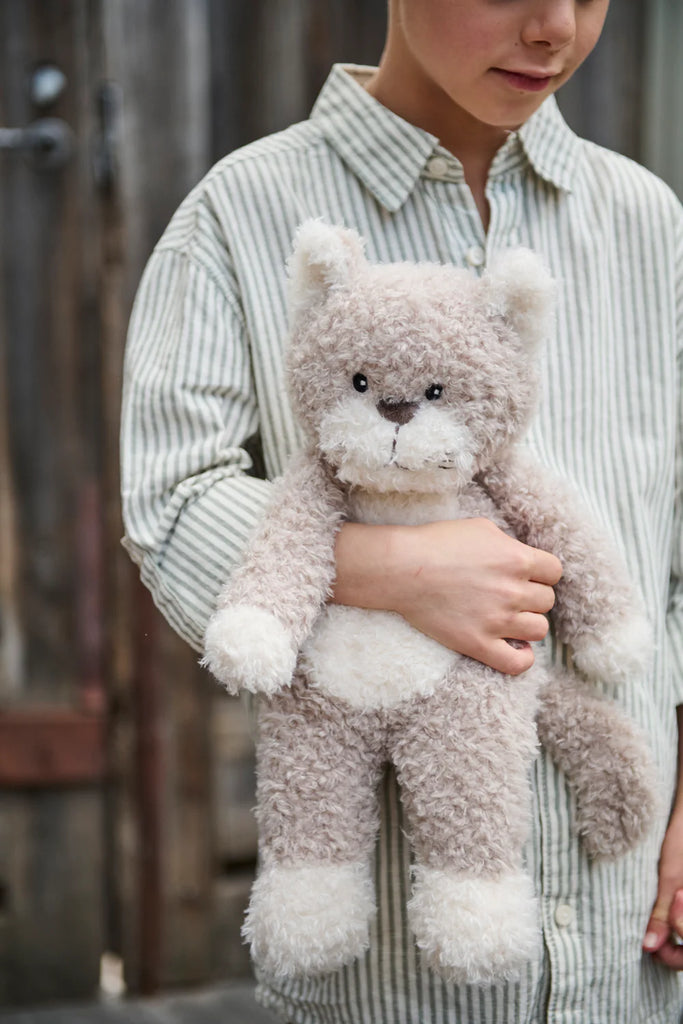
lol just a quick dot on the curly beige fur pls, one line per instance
(413, 383)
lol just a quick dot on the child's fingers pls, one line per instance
(671, 955)
(509, 658)
(545, 567)
(530, 627)
(666, 919)
(656, 935)
(539, 598)
(676, 913)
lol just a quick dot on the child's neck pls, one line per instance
(473, 143)
(476, 162)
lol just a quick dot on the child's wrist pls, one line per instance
(371, 565)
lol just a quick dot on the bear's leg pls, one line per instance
(462, 758)
(318, 767)
(607, 762)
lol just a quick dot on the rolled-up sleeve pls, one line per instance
(189, 412)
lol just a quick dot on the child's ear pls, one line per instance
(520, 288)
(323, 256)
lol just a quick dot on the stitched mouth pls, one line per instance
(427, 464)
(393, 446)
(447, 461)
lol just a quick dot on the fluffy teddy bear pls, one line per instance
(414, 383)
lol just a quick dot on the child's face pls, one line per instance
(495, 59)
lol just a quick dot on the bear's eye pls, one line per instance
(433, 392)
(360, 382)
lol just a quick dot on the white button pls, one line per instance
(564, 915)
(475, 256)
(438, 166)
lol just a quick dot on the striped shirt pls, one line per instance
(204, 395)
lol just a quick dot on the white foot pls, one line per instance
(247, 648)
(310, 919)
(474, 930)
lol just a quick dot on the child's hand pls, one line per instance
(463, 582)
(667, 914)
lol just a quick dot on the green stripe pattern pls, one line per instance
(204, 385)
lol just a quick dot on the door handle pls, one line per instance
(48, 142)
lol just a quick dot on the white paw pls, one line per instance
(246, 647)
(474, 930)
(310, 919)
(618, 654)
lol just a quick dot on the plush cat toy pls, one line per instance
(413, 383)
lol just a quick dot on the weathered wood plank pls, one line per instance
(11, 638)
(230, 899)
(163, 840)
(269, 60)
(188, 834)
(234, 793)
(51, 871)
(51, 841)
(31, 242)
(50, 747)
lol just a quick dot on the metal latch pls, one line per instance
(48, 142)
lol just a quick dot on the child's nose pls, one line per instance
(552, 24)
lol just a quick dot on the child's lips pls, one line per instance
(523, 81)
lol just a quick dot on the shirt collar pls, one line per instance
(551, 146)
(384, 151)
(388, 154)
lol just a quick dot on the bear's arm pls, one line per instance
(272, 599)
(597, 609)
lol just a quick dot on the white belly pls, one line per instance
(372, 659)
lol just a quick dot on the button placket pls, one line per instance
(504, 224)
(475, 256)
(564, 915)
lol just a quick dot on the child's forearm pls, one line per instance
(678, 803)
(667, 914)
(463, 582)
(369, 565)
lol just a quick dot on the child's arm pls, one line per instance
(273, 597)
(463, 582)
(189, 413)
(667, 914)
(597, 610)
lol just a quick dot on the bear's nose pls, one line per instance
(396, 412)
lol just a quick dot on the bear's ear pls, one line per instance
(323, 256)
(519, 287)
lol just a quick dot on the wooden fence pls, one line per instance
(126, 778)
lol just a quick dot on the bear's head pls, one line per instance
(411, 377)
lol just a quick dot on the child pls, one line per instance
(450, 151)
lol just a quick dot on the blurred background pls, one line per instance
(126, 776)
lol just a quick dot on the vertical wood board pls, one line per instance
(51, 840)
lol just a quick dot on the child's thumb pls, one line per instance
(666, 913)
(656, 935)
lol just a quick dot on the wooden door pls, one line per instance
(106, 841)
(52, 697)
